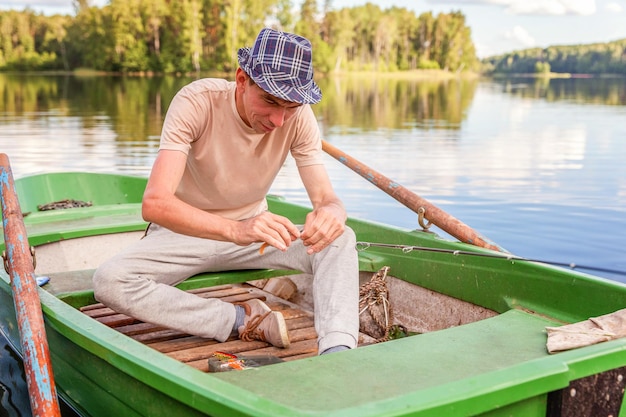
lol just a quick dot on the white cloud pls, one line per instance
(521, 36)
(47, 6)
(19, 4)
(538, 7)
(614, 7)
(553, 7)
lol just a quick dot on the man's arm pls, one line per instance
(327, 220)
(160, 205)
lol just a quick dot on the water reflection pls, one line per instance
(134, 107)
(372, 103)
(605, 91)
(13, 401)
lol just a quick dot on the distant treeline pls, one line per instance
(598, 58)
(167, 36)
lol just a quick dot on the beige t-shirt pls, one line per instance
(230, 167)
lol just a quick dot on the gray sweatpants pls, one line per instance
(140, 281)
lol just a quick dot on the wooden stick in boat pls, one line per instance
(18, 262)
(433, 214)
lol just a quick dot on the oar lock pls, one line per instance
(6, 259)
(421, 219)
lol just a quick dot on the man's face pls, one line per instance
(262, 111)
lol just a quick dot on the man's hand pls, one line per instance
(322, 226)
(327, 221)
(272, 229)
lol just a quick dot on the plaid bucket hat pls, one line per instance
(281, 64)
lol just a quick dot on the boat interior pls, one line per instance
(391, 308)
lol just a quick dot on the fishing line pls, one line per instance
(361, 246)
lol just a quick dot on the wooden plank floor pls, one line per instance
(195, 351)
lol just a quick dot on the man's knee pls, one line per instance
(349, 233)
(106, 283)
(348, 238)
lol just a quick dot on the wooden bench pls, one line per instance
(195, 351)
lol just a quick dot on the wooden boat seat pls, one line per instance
(75, 288)
(195, 351)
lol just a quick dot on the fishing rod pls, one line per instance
(361, 246)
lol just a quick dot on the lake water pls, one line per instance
(537, 166)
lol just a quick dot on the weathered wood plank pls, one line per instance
(195, 351)
(180, 343)
(136, 330)
(116, 320)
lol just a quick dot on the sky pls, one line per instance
(498, 26)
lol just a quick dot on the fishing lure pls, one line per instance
(229, 360)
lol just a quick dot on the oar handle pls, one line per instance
(432, 213)
(19, 264)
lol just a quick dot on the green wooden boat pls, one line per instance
(477, 325)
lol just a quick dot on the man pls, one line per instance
(221, 147)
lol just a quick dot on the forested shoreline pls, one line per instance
(162, 36)
(592, 59)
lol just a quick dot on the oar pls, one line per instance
(18, 262)
(422, 207)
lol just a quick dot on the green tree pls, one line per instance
(214, 51)
(55, 38)
(22, 41)
(18, 44)
(129, 34)
(457, 49)
(285, 16)
(338, 33)
(310, 27)
(154, 13)
(407, 22)
(90, 44)
(367, 19)
(192, 35)
(181, 43)
(425, 41)
(542, 67)
(598, 58)
(308, 24)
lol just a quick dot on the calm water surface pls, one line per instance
(536, 166)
